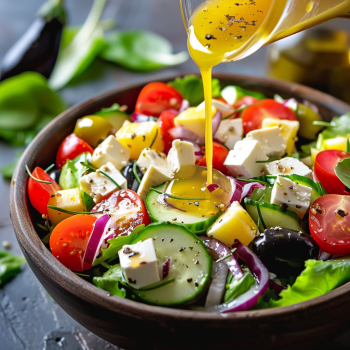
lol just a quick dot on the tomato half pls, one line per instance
(39, 193)
(220, 154)
(253, 116)
(166, 122)
(71, 147)
(69, 239)
(155, 98)
(329, 223)
(324, 170)
(127, 211)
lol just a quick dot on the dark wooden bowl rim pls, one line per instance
(57, 273)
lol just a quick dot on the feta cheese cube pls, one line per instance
(153, 177)
(65, 199)
(181, 159)
(99, 186)
(271, 140)
(229, 132)
(290, 195)
(287, 166)
(110, 151)
(235, 216)
(149, 156)
(139, 263)
(289, 130)
(224, 108)
(241, 161)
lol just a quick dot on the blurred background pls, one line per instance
(29, 319)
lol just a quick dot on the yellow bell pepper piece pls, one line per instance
(138, 136)
(338, 143)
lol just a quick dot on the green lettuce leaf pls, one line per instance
(87, 200)
(191, 88)
(10, 265)
(235, 288)
(115, 244)
(340, 126)
(342, 170)
(73, 170)
(318, 278)
(112, 281)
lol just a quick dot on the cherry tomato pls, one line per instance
(166, 122)
(71, 147)
(244, 101)
(329, 223)
(155, 98)
(220, 153)
(252, 117)
(324, 170)
(69, 239)
(127, 211)
(39, 193)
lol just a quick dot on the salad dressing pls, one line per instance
(226, 30)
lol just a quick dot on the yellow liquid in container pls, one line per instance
(228, 30)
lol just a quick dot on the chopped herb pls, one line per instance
(134, 170)
(34, 178)
(49, 168)
(154, 139)
(73, 212)
(175, 197)
(249, 180)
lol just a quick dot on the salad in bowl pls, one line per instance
(127, 206)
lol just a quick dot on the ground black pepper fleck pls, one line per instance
(210, 36)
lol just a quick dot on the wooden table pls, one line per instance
(29, 320)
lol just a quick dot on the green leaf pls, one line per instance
(340, 126)
(87, 200)
(318, 278)
(114, 115)
(10, 265)
(235, 288)
(115, 244)
(112, 281)
(342, 170)
(191, 88)
(73, 170)
(82, 50)
(140, 51)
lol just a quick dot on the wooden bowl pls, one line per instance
(134, 325)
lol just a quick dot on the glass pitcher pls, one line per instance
(284, 17)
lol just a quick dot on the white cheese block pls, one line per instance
(230, 132)
(153, 177)
(112, 151)
(290, 195)
(139, 263)
(99, 186)
(287, 166)
(149, 156)
(241, 161)
(271, 140)
(181, 159)
(224, 108)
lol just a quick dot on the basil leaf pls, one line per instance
(10, 265)
(140, 51)
(112, 281)
(235, 288)
(115, 244)
(87, 200)
(74, 58)
(342, 170)
(73, 170)
(340, 126)
(191, 88)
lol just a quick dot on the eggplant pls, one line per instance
(38, 48)
(128, 173)
(284, 251)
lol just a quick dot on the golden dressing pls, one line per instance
(228, 30)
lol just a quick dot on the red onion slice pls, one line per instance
(236, 189)
(139, 118)
(220, 250)
(216, 121)
(180, 132)
(324, 256)
(218, 284)
(96, 239)
(248, 188)
(164, 269)
(212, 187)
(277, 288)
(184, 105)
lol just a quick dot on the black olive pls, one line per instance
(55, 175)
(128, 173)
(284, 251)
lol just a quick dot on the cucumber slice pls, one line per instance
(190, 264)
(159, 212)
(273, 215)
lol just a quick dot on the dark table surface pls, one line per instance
(29, 319)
